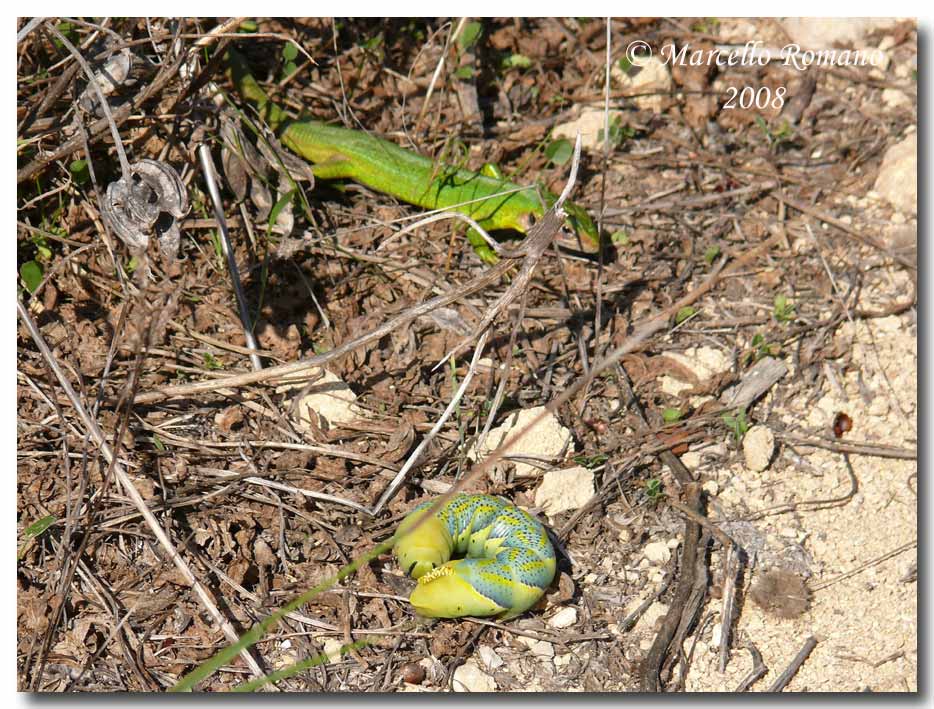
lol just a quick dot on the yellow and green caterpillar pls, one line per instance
(508, 562)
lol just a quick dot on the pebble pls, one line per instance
(564, 618)
(647, 75)
(758, 447)
(898, 177)
(590, 123)
(539, 648)
(489, 657)
(470, 678)
(545, 440)
(657, 552)
(330, 399)
(563, 490)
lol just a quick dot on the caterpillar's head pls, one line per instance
(424, 548)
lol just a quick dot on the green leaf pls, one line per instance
(784, 310)
(517, 61)
(289, 52)
(618, 132)
(278, 207)
(670, 415)
(711, 253)
(248, 26)
(157, 442)
(288, 69)
(620, 238)
(464, 73)
(491, 170)
(683, 314)
(79, 171)
(737, 424)
(559, 151)
(373, 43)
(210, 362)
(31, 273)
(469, 35)
(34, 530)
(591, 461)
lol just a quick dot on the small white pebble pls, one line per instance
(657, 552)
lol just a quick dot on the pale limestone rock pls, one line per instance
(539, 648)
(691, 460)
(545, 441)
(704, 362)
(898, 177)
(489, 658)
(671, 386)
(329, 399)
(332, 648)
(758, 447)
(563, 660)
(470, 678)
(650, 75)
(564, 618)
(657, 552)
(563, 490)
(590, 123)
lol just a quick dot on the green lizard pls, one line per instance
(337, 152)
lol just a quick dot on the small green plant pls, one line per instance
(620, 238)
(31, 272)
(469, 36)
(761, 348)
(375, 46)
(784, 309)
(683, 314)
(157, 442)
(591, 461)
(737, 424)
(711, 253)
(34, 530)
(670, 415)
(210, 362)
(775, 136)
(707, 25)
(559, 151)
(67, 29)
(654, 490)
(289, 55)
(516, 61)
(248, 27)
(79, 171)
(618, 132)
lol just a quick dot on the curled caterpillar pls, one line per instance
(508, 562)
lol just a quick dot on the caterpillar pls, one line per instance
(508, 564)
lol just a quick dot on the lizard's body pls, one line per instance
(337, 152)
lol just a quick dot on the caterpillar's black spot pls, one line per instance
(411, 568)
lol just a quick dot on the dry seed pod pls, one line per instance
(150, 200)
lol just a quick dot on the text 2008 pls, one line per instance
(749, 97)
